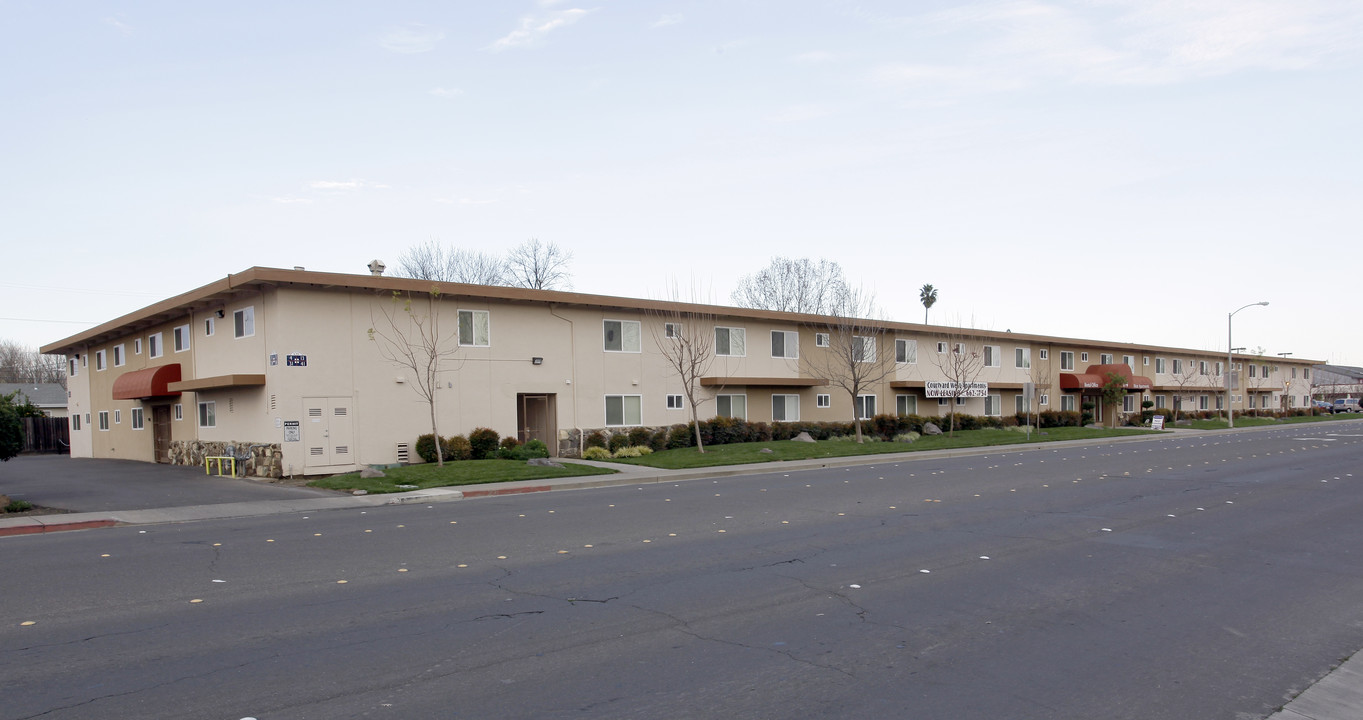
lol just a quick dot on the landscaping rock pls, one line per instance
(543, 462)
(766, 451)
(802, 437)
(370, 472)
(931, 429)
(360, 492)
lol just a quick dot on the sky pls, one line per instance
(1130, 171)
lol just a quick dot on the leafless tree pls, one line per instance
(1039, 374)
(857, 357)
(434, 261)
(961, 364)
(1186, 376)
(22, 364)
(687, 343)
(407, 330)
(799, 286)
(539, 266)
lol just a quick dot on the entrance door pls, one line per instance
(327, 432)
(160, 432)
(535, 419)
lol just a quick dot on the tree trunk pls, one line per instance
(435, 432)
(695, 422)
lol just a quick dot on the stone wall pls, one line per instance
(265, 459)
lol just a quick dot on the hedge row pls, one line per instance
(481, 444)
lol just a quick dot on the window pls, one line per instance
(1128, 403)
(99, 361)
(244, 322)
(993, 405)
(103, 420)
(820, 339)
(75, 421)
(1294, 372)
(1264, 370)
(179, 411)
(137, 418)
(118, 417)
(624, 410)
(118, 356)
(905, 405)
(1219, 367)
(734, 406)
(1066, 360)
(943, 402)
(960, 401)
(941, 348)
(1159, 365)
(1020, 403)
(906, 351)
(672, 330)
(1083, 357)
(785, 344)
(991, 355)
(1104, 358)
(154, 345)
(137, 346)
(621, 335)
(866, 407)
(1145, 361)
(1022, 358)
(863, 349)
(731, 342)
(1202, 403)
(475, 328)
(75, 369)
(1045, 399)
(823, 400)
(1178, 366)
(180, 336)
(1202, 367)
(1067, 403)
(1220, 402)
(1306, 373)
(1044, 354)
(85, 362)
(209, 327)
(785, 408)
(208, 414)
(674, 402)
(1128, 361)
(1251, 367)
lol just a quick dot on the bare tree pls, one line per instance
(961, 364)
(928, 296)
(799, 286)
(854, 359)
(687, 343)
(434, 261)
(22, 364)
(1185, 375)
(1039, 374)
(477, 268)
(409, 335)
(539, 266)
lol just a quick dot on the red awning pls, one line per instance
(1097, 374)
(148, 383)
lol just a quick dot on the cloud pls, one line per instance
(336, 184)
(799, 113)
(814, 57)
(411, 38)
(119, 25)
(533, 29)
(666, 20)
(445, 92)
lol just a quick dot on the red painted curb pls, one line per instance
(507, 491)
(56, 527)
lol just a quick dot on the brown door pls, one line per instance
(160, 432)
(535, 418)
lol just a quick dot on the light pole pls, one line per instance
(1230, 362)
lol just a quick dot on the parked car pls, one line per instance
(1323, 405)
(1346, 405)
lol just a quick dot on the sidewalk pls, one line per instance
(1337, 696)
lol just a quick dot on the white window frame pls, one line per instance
(790, 343)
(992, 356)
(941, 348)
(474, 315)
(138, 418)
(75, 422)
(210, 326)
(1043, 354)
(1160, 400)
(118, 417)
(676, 402)
(1067, 360)
(1105, 358)
(1022, 358)
(179, 413)
(902, 403)
(621, 325)
(786, 403)
(730, 334)
(993, 405)
(864, 341)
(672, 330)
(1128, 403)
(104, 421)
(820, 339)
(180, 338)
(137, 346)
(1129, 361)
(244, 322)
(208, 413)
(1083, 356)
(1161, 367)
(155, 347)
(1020, 403)
(1067, 403)
(1202, 403)
(1145, 360)
(730, 398)
(1045, 399)
(861, 405)
(624, 410)
(101, 364)
(120, 355)
(906, 351)
(943, 402)
(75, 366)
(1178, 366)
(823, 400)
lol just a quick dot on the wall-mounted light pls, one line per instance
(536, 361)
(220, 312)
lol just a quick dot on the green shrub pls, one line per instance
(595, 438)
(596, 452)
(617, 441)
(639, 436)
(629, 451)
(680, 436)
(425, 448)
(458, 448)
(511, 442)
(484, 442)
(15, 506)
(658, 440)
(533, 449)
(907, 437)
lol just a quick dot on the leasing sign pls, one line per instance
(935, 389)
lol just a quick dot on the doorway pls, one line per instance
(160, 432)
(327, 432)
(536, 419)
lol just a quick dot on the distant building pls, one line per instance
(48, 397)
(280, 365)
(1331, 382)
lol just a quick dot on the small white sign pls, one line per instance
(1157, 422)
(292, 432)
(936, 389)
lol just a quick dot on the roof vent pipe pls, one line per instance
(376, 267)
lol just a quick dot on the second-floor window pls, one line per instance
(475, 328)
(622, 335)
(731, 342)
(785, 344)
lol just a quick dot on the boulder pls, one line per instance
(543, 462)
(802, 437)
(369, 473)
(765, 451)
(931, 429)
(360, 492)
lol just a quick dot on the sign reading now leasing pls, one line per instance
(935, 389)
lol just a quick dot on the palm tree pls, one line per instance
(928, 294)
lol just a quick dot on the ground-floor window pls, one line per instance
(1067, 403)
(137, 418)
(866, 407)
(785, 408)
(1202, 403)
(179, 411)
(75, 421)
(118, 417)
(734, 406)
(103, 419)
(1159, 401)
(208, 414)
(993, 405)
(1220, 402)
(624, 410)
(1129, 403)
(1020, 403)
(905, 405)
(674, 402)
(1045, 399)
(823, 400)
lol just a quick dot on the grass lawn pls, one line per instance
(1251, 421)
(463, 472)
(744, 453)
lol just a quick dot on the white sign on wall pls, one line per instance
(935, 389)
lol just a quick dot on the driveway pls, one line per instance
(93, 485)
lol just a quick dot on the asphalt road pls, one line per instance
(1176, 578)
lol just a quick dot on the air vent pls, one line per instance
(404, 453)
(341, 450)
(315, 452)
(273, 400)
(340, 411)
(314, 412)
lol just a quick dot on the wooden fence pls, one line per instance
(46, 435)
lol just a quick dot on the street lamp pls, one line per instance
(1230, 362)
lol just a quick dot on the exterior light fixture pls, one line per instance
(1230, 363)
(536, 361)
